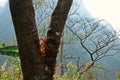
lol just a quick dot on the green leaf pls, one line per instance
(9, 50)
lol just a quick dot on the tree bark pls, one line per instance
(54, 33)
(34, 65)
(23, 16)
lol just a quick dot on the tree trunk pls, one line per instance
(54, 33)
(34, 65)
(23, 16)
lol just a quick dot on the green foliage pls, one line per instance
(9, 50)
(71, 74)
(2, 45)
(118, 75)
(13, 72)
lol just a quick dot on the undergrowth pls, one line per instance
(13, 72)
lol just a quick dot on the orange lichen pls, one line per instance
(44, 48)
(42, 44)
(50, 53)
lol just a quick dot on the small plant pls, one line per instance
(71, 74)
(13, 72)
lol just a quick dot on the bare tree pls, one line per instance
(96, 38)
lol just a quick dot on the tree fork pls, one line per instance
(34, 65)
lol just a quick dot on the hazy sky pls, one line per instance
(2, 3)
(103, 9)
